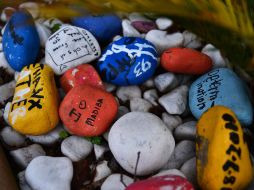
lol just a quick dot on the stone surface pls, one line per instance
(76, 148)
(145, 136)
(164, 23)
(11, 137)
(191, 40)
(170, 172)
(4, 64)
(43, 32)
(114, 182)
(175, 101)
(102, 171)
(222, 151)
(31, 7)
(125, 93)
(34, 109)
(88, 111)
(6, 13)
(23, 185)
(24, 156)
(172, 121)
(129, 30)
(186, 131)
(19, 38)
(139, 104)
(128, 61)
(6, 91)
(185, 61)
(69, 47)
(165, 82)
(190, 171)
(99, 150)
(49, 173)
(151, 96)
(6, 112)
(221, 87)
(144, 26)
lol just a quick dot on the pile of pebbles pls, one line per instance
(117, 102)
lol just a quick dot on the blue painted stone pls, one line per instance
(21, 41)
(104, 28)
(221, 87)
(128, 61)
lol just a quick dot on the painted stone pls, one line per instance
(223, 159)
(167, 182)
(69, 47)
(21, 41)
(88, 111)
(144, 26)
(82, 74)
(128, 61)
(221, 87)
(104, 27)
(186, 61)
(34, 109)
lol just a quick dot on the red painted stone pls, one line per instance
(82, 74)
(87, 110)
(185, 61)
(172, 182)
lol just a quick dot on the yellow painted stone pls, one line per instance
(34, 109)
(223, 159)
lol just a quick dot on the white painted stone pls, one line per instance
(141, 133)
(102, 171)
(151, 96)
(116, 182)
(49, 138)
(139, 104)
(122, 110)
(32, 8)
(165, 82)
(7, 90)
(6, 112)
(191, 40)
(24, 156)
(186, 131)
(125, 93)
(170, 172)
(184, 150)
(12, 137)
(109, 87)
(129, 30)
(172, 121)
(190, 171)
(99, 150)
(215, 55)
(137, 17)
(49, 173)
(163, 23)
(23, 185)
(69, 47)
(163, 41)
(4, 64)
(175, 102)
(76, 148)
(43, 32)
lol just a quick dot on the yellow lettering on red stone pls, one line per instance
(223, 159)
(34, 109)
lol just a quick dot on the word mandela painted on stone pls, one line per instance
(70, 46)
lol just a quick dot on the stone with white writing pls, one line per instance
(221, 87)
(34, 109)
(19, 38)
(128, 61)
(145, 137)
(12, 137)
(48, 173)
(222, 151)
(24, 156)
(116, 182)
(88, 111)
(69, 47)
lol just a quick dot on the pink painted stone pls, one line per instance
(144, 26)
(172, 182)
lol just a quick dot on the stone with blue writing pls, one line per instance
(21, 43)
(221, 87)
(128, 61)
(103, 27)
(69, 47)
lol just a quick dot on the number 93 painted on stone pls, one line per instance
(34, 109)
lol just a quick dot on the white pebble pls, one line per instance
(50, 23)
(175, 102)
(129, 30)
(99, 150)
(172, 121)
(76, 148)
(163, 23)
(151, 96)
(43, 33)
(109, 87)
(165, 82)
(122, 110)
(125, 93)
(23, 185)
(149, 83)
(32, 8)
(137, 17)
(7, 90)
(12, 137)
(4, 15)
(191, 40)
(186, 131)
(139, 104)
(113, 182)
(4, 64)
(6, 112)
(170, 172)
(102, 171)
(190, 171)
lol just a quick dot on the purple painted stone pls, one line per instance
(144, 26)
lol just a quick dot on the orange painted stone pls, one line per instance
(186, 61)
(82, 74)
(87, 110)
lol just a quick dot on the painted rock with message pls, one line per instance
(34, 109)
(186, 61)
(88, 111)
(128, 61)
(69, 47)
(223, 159)
(221, 87)
(167, 182)
(21, 43)
(82, 74)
